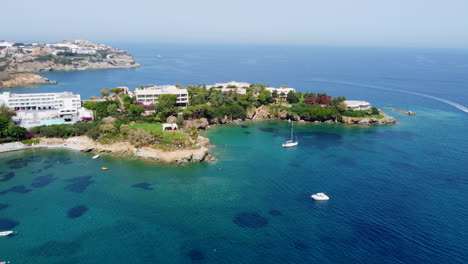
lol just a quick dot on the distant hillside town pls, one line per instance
(66, 55)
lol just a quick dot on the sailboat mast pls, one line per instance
(292, 125)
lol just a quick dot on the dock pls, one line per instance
(402, 111)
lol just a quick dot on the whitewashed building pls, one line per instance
(46, 108)
(238, 87)
(149, 95)
(358, 105)
(282, 92)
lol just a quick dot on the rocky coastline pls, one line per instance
(23, 79)
(124, 148)
(263, 113)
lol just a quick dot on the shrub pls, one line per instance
(375, 111)
(140, 138)
(355, 113)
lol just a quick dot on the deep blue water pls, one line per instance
(398, 193)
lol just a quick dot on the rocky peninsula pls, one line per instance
(121, 148)
(66, 55)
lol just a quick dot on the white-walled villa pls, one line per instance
(238, 87)
(358, 105)
(282, 92)
(149, 95)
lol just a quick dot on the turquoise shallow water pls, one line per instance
(398, 193)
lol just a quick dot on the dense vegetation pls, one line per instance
(9, 131)
(120, 117)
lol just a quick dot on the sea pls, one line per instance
(398, 194)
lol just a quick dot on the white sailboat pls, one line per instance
(291, 143)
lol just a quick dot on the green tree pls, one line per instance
(4, 125)
(375, 111)
(167, 100)
(274, 94)
(112, 110)
(6, 111)
(265, 97)
(135, 110)
(292, 97)
(17, 131)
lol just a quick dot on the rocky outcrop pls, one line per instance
(23, 79)
(201, 123)
(263, 112)
(250, 112)
(387, 120)
(124, 148)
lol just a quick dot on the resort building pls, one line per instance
(282, 92)
(46, 108)
(358, 105)
(238, 87)
(149, 95)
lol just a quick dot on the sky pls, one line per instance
(420, 23)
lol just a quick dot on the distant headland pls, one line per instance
(20, 62)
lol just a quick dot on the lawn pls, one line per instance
(168, 137)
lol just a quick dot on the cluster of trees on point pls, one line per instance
(9, 131)
(91, 129)
(204, 103)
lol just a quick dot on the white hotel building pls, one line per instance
(149, 95)
(36, 108)
(65, 102)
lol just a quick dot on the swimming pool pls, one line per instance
(53, 122)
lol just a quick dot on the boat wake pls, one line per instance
(454, 104)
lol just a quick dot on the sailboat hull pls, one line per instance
(290, 144)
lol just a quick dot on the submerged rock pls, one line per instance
(143, 185)
(7, 176)
(250, 220)
(196, 255)
(7, 224)
(77, 211)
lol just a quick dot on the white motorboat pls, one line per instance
(320, 197)
(96, 156)
(291, 143)
(6, 233)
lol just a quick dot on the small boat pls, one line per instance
(96, 156)
(320, 197)
(290, 143)
(103, 168)
(6, 233)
